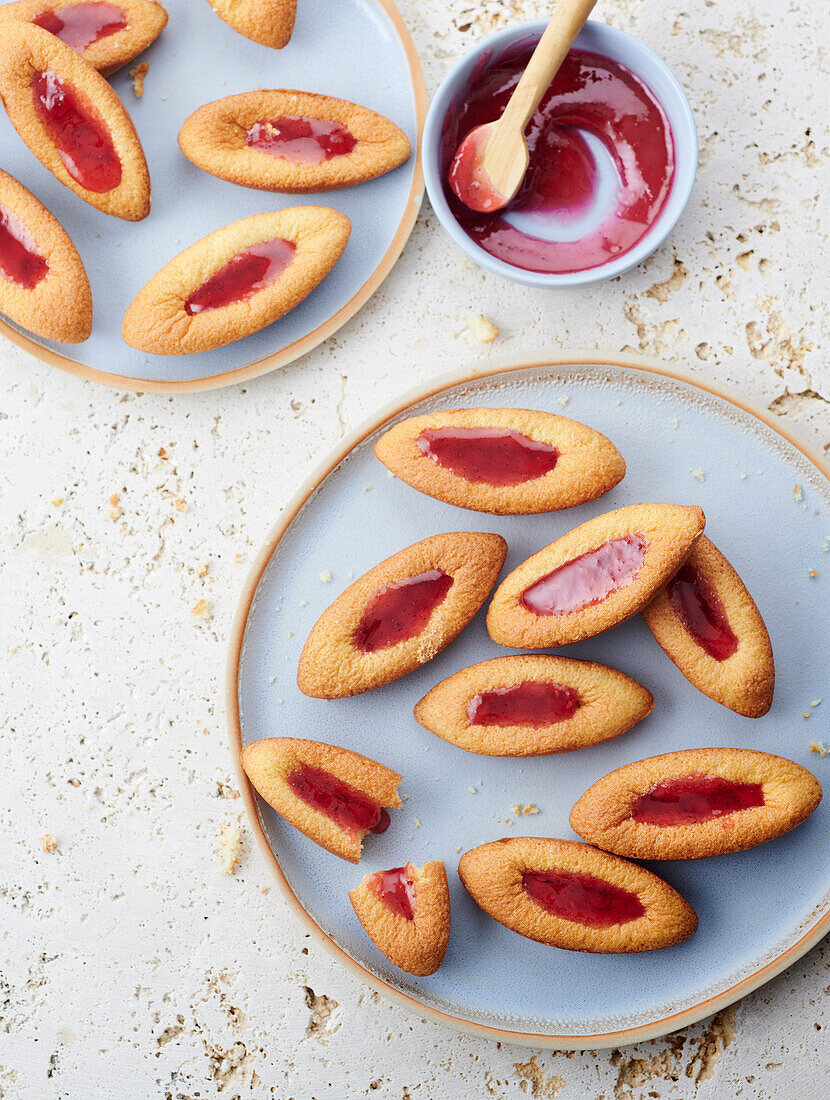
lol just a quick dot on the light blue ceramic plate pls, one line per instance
(197, 59)
(758, 910)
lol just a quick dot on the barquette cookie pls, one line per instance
(596, 576)
(506, 461)
(406, 913)
(570, 895)
(43, 284)
(707, 622)
(332, 795)
(532, 705)
(236, 281)
(695, 803)
(106, 35)
(73, 121)
(268, 22)
(290, 141)
(400, 614)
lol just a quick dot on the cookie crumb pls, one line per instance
(675, 423)
(417, 821)
(325, 576)
(816, 703)
(48, 843)
(743, 477)
(698, 474)
(472, 790)
(202, 609)
(180, 504)
(483, 330)
(303, 603)
(230, 845)
(138, 74)
(818, 747)
(115, 511)
(812, 572)
(797, 493)
(563, 401)
(202, 567)
(531, 808)
(805, 714)
(57, 502)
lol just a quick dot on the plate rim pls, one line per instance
(306, 343)
(639, 1033)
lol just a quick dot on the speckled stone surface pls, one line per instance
(132, 966)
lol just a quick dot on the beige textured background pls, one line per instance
(132, 967)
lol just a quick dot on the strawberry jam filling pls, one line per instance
(588, 579)
(301, 140)
(248, 271)
(401, 610)
(20, 261)
(698, 606)
(81, 25)
(81, 138)
(688, 799)
(583, 899)
(396, 889)
(532, 703)
(347, 807)
(497, 456)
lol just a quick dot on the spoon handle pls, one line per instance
(565, 24)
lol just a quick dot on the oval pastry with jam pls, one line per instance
(106, 33)
(593, 578)
(506, 461)
(268, 22)
(533, 705)
(289, 141)
(695, 803)
(707, 622)
(570, 895)
(43, 284)
(400, 614)
(334, 796)
(236, 281)
(73, 122)
(406, 913)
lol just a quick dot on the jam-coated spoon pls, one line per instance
(491, 161)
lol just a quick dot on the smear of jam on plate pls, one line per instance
(698, 606)
(243, 275)
(81, 138)
(587, 579)
(533, 703)
(583, 899)
(299, 139)
(401, 610)
(496, 456)
(347, 807)
(688, 799)
(20, 262)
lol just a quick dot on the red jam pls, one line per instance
(601, 163)
(81, 138)
(397, 890)
(401, 610)
(498, 456)
(698, 606)
(20, 262)
(533, 703)
(81, 25)
(587, 579)
(692, 798)
(248, 271)
(302, 140)
(583, 899)
(347, 807)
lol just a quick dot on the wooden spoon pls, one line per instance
(491, 161)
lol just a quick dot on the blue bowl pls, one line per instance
(611, 43)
